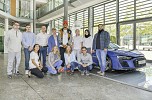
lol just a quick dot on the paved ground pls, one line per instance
(66, 87)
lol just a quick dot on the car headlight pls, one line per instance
(124, 57)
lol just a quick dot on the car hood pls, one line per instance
(131, 53)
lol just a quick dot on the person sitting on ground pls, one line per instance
(54, 61)
(70, 59)
(85, 61)
(35, 65)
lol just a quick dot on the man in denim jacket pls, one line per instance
(100, 44)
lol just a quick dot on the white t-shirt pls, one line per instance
(34, 56)
(87, 42)
(65, 37)
(77, 40)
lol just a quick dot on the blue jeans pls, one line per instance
(43, 53)
(57, 65)
(88, 68)
(73, 65)
(27, 58)
(101, 55)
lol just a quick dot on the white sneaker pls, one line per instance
(26, 72)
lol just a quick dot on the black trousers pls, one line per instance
(62, 51)
(38, 73)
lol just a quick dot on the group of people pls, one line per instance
(65, 51)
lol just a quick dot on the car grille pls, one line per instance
(124, 63)
(139, 59)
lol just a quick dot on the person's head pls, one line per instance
(100, 27)
(87, 33)
(28, 28)
(65, 24)
(54, 31)
(16, 25)
(84, 50)
(36, 47)
(77, 32)
(43, 28)
(68, 49)
(55, 49)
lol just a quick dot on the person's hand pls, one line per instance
(68, 66)
(64, 46)
(92, 51)
(30, 48)
(39, 68)
(53, 68)
(105, 49)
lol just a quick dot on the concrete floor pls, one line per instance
(65, 87)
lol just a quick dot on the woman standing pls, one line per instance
(35, 65)
(54, 61)
(87, 41)
(70, 59)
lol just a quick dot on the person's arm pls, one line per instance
(7, 38)
(49, 45)
(70, 40)
(24, 40)
(107, 40)
(90, 60)
(79, 60)
(37, 66)
(94, 43)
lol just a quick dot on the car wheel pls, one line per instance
(109, 64)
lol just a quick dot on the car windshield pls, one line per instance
(113, 46)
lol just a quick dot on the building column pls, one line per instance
(117, 23)
(90, 21)
(50, 28)
(31, 9)
(134, 27)
(31, 24)
(6, 29)
(34, 16)
(66, 10)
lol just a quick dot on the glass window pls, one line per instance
(143, 8)
(98, 15)
(126, 10)
(110, 12)
(112, 31)
(126, 36)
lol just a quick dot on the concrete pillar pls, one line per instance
(31, 9)
(50, 28)
(34, 16)
(6, 29)
(117, 23)
(90, 22)
(66, 10)
(31, 24)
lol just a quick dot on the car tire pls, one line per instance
(109, 64)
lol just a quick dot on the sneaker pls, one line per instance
(87, 73)
(99, 72)
(82, 73)
(102, 73)
(26, 72)
(72, 73)
(18, 73)
(29, 74)
(9, 76)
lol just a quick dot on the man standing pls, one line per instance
(28, 40)
(100, 44)
(77, 43)
(65, 38)
(53, 40)
(13, 40)
(42, 40)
